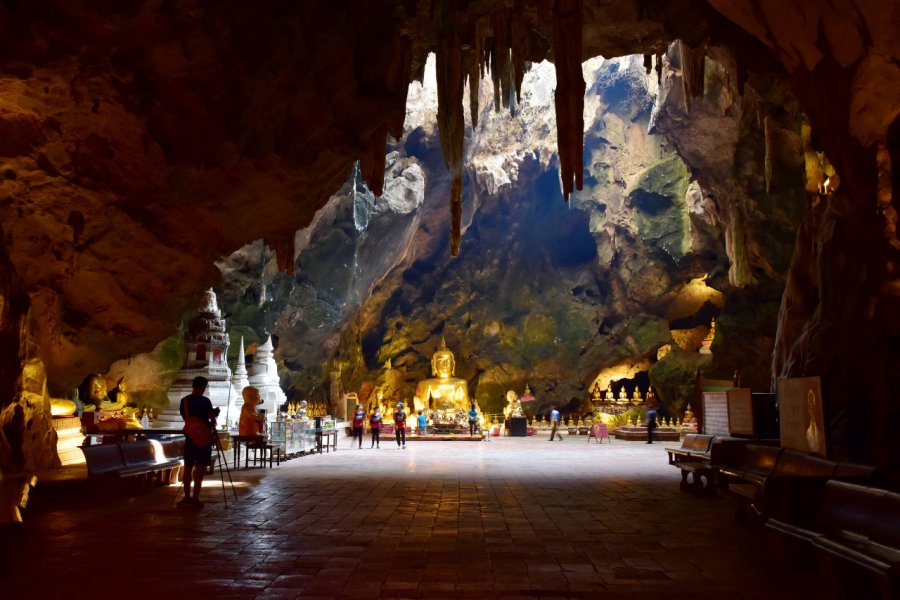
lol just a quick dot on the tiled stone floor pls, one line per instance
(508, 518)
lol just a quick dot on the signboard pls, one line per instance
(599, 431)
(715, 413)
(740, 412)
(802, 414)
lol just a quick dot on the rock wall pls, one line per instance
(141, 142)
(839, 317)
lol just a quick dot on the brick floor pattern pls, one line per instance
(510, 518)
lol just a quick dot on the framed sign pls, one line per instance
(740, 412)
(715, 413)
(802, 415)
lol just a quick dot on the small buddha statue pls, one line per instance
(636, 397)
(609, 395)
(651, 397)
(688, 414)
(708, 340)
(595, 393)
(623, 395)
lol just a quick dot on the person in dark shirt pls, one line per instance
(197, 453)
(359, 422)
(400, 425)
(375, 427)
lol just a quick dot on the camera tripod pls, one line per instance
(222, 462)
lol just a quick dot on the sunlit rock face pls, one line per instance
(543, 292)
(141, 142)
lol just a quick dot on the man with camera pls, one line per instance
(199, 432)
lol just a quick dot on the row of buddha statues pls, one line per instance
(608, 397)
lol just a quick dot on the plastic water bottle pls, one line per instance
(145, 421)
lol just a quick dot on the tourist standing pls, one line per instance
(375, 427)
(199, 429)
(473, 419)
(423, 423)
(650, 424)
(400, 425)
(554, 423)
(359, 421)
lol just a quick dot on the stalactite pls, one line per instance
(473, 68)
(284, 253)
(768, 134)
(520, 32)
(450, 81)
(693, 71)
(569, 95)
(372, 161)
(659, 60)
(396, 84)
(501, 66)
(648, 63)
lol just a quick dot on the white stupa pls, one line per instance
(264, 377)
(238, 381)
(206, 345)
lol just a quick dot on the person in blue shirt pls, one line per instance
(423, 423)
(554, 423)
(473, 419)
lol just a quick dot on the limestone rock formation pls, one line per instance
(140, 142)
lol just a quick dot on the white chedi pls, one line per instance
(264, 377)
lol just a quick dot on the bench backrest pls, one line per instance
(138, 453)
(799, 464)
(699, 442)
(173, 447)
(103, 459)
(854, 471)
(862, 510)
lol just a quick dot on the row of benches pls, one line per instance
(814, 506)
(157, 461)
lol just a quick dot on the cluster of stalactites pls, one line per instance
(569, 94)
(500, 43)
(693, 71)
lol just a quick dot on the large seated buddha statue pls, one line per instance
(113, 407)
(444, 392)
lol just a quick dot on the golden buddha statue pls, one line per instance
(623, 395)
(688, 414)
(609, 394)
(444, 391)
(636, 397)
(595, 393)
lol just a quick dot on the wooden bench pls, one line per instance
(769, 481)
(694, 448)
(129, 459)
(143, 457)
(855, 537)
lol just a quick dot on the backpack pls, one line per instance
(196, 430)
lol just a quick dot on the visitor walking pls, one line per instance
(554, 423)
(375, 427)
(359, 421)
(423, 423)
(650, 424)
(400, 425)
(473, 419)
(199, 429)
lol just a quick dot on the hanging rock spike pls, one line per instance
(569, 95)
(450, 80)
(396, 85)
(284, 253)
(693, 71)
